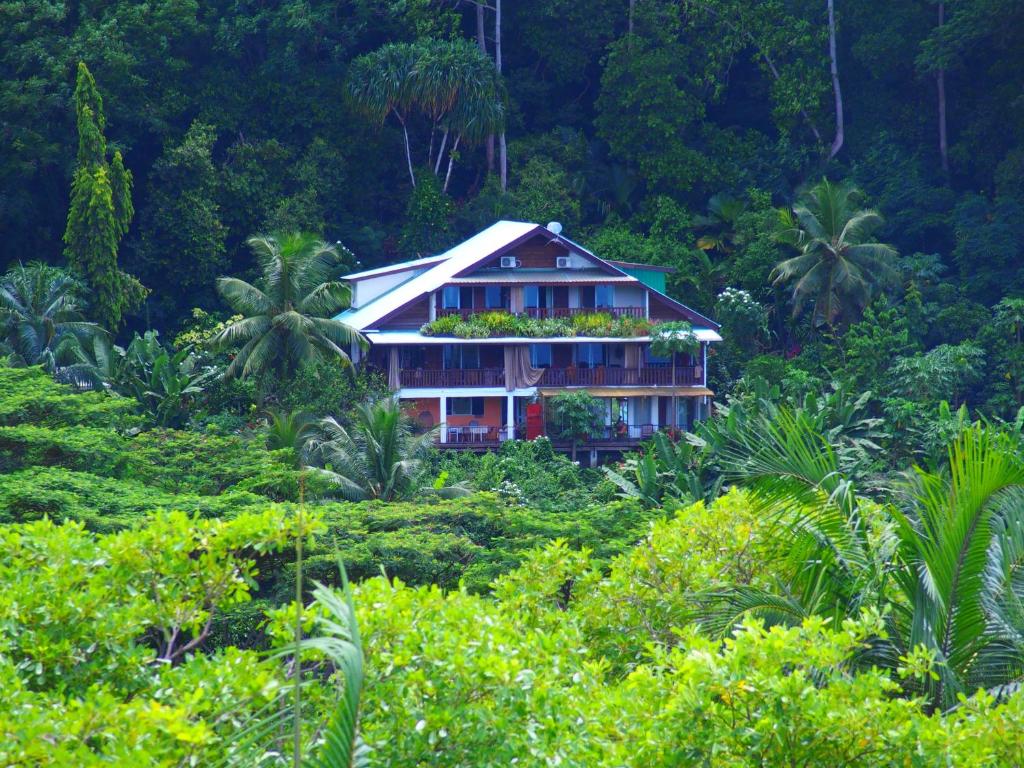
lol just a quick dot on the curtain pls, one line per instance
(394, 380)
(518, 371)
(631, 364)
(515, 299)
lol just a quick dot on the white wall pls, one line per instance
(365, 291)
(628, 295)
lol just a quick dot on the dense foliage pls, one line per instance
(825, 572)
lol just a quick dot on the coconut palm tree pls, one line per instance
(839, 269)
(41, 320)
(377, 457)
(288, 318)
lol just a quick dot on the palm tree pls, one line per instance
(288, 319)
(945, 561)
(41, 319)
(378, 457)
(839, 268)
(290, 430)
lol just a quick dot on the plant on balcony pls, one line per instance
(485, 325)
(576, 415)
(592, 323)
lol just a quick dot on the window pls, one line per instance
(454, 297)
(461, 356)
(534, 296)
(495, 297)
(465, 406)
(604, 296)
(412, 357)
(653, 360)
(589, 355)
(587, 296)
(623, 409)
(540, 355)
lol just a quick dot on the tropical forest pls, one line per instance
(225, 541)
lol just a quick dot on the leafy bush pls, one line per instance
(97, 634)
(527, 472)
(483, 325)
(80, 448)
(31, 396)
(104, 504)
(470, 540)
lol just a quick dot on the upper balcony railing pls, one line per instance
(541, 312)
(599, 376)
(545, 312)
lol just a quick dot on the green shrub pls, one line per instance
(103, 504)
(82, 448)
(483, 325)
(31, 396)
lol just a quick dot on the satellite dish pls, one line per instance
(554, 227)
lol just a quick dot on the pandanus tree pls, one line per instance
(449, 84)
(839, 268)
(288, 315)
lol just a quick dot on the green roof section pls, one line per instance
(652, 278)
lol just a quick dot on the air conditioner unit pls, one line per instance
(562, 262)
(509, 262)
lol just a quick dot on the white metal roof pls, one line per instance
(449, 264)
(384, 338)
(542, 277)
(400, 267)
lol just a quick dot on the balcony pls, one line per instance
(452, 377)
(546, 312)
(601, 376)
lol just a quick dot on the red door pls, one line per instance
(534, 421)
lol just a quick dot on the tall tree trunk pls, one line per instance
(632, 8)
(451, 161)
(502, 149)
(408, 151)
(837, 142)
(940, 81)
(481, 41)
(440, 152)
(767, 60)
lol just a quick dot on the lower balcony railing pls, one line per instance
(475, 435)
(616, 434)
(452, 377)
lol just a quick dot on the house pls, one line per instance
(477, 339)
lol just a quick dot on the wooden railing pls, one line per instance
(539, 312)
(620, 377)
(453, 377)
(470, 435)
(601, 376)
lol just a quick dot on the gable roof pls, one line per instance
(447, 267)
(500, 236)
